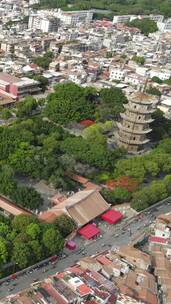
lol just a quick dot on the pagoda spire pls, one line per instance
(135, 122)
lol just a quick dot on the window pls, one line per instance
(139, 117)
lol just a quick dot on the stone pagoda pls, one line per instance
(134, 125)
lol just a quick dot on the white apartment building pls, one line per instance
(163, 75)
(46, 24)
(127, 18)
(165, 26)
(165, 105)
(156, 18)
(134, 79)
(32, 2)
(117, 74)
(34, 22)
(73, 17)
(142, 71)
(49, 25)
(121, 19)
(163, 232)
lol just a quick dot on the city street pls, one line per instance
(121, 236)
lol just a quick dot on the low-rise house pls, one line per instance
(90, 263)
(135, 257)
(18, 87)
(165, 105)
(134, 79)
(158, 241)
(162, 226)
(123, 299)
(162, 270)
(139, 285)
(162, 230)
(117, 74)
(160, 73)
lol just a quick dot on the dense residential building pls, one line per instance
(49, 22)
(18, 87)
(159, 247)
(117, 74)
(103, 278)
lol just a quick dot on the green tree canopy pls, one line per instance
(116, 196)
(153, 91)
(167, 182)
(3, 251)
(139, 60)
(26, 107)
(145, 25)
(161, 126)
(4, 229)
(65, 225)
(5, 114)
(28, 198)
(94, 134)
(22, 159)
(20, 222)
(43, 81)
(156, 79)
(33, 230)
(149, 195)
(168, 81)
(111, 101)
(37, 250)
(69, 103)
(53, 240)
(21, 254)
(44, 61)
(146, 166)
(93, 153)
(117, 7)
(7, 183)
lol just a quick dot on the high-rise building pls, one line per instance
(134, 126)
(47, 24)
(34, 22)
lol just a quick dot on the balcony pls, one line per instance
(133, 130)
(138, 110)
(135, 119)
(29, 92)
(131, 141)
